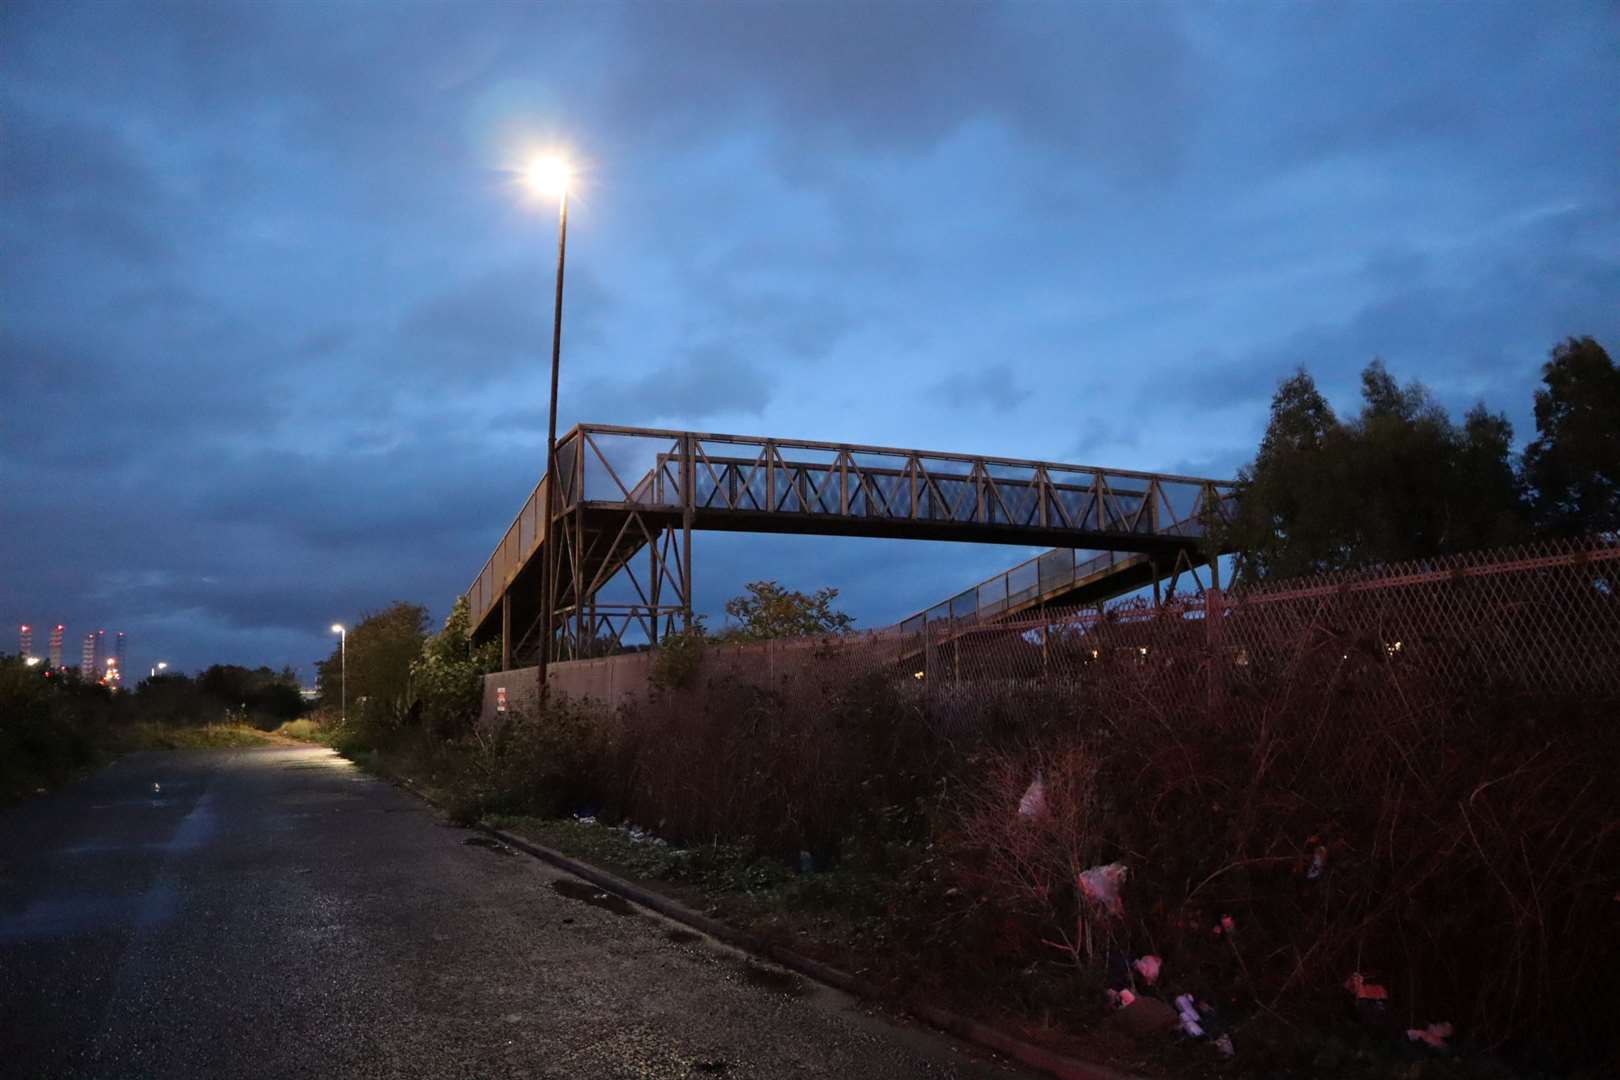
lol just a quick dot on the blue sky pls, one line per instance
(274, 316)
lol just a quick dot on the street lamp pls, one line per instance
(161, 665)
(551, 175)
(343, 671)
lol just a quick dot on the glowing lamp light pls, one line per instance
(549, 174)
(337, 628)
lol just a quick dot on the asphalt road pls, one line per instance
(275, 912)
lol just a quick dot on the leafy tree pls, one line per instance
(770, 611)
(269, 697)
(1399, 481)
(1572, 470)
(447, 676)
(381, 648)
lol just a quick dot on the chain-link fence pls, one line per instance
(1541, 619)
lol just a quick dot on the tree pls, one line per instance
(769, 611)
(1400, 481)
(1572, 470)
(447, 676)
(379, 654)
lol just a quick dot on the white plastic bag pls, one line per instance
(1033, 804)
(1101, 885)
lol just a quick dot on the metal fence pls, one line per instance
(1542, 619)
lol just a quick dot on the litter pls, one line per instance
(1188, 1012)
(1318, 864)
(1358, 985)
(1101, 885)
(1148, 967)
(1435, 1034)
(1033, 804)
(584, 819)
(1119, 999)
(1224, 1045)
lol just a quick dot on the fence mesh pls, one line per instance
(1542, 619)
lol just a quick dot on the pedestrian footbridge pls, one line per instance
(629, 499)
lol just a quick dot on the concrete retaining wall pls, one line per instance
(612, 680)
(624, 680)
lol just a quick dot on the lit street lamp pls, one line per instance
(550, 176)
(343, 670)
(161, 665)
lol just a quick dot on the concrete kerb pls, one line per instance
(1025, 1053)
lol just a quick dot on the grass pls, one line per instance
(148, 736)
(305, 729)
(837, 915)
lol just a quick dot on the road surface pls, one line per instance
(275, 912)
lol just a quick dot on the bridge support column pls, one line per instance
(506, 631)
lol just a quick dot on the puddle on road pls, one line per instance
(772, 979)
(590, 894)
(488, 842)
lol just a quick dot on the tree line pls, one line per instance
(1402, 480)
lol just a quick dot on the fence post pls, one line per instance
(1215, 641)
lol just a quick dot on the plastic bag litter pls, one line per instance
(1435, 1034)
(1033, 804)
(1188, 1011)
(1119, 999)
(1358, 985)
(1148, 967)
(1101, 885)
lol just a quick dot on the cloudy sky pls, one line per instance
(274, 315)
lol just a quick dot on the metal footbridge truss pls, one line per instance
(629, 499)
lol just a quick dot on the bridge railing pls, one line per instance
(648, 468)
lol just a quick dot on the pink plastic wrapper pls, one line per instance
(1148, 967)
(1435, 1034)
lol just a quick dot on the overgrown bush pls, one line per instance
(1349, 817)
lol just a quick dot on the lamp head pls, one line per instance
(549, 174)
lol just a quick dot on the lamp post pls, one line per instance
(550, 175)
(343, 671)
(161, 665)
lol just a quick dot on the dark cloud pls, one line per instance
(990, 386)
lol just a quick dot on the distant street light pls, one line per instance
(343, 671)
(161, 665)
(32, 661)
(551, 175)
